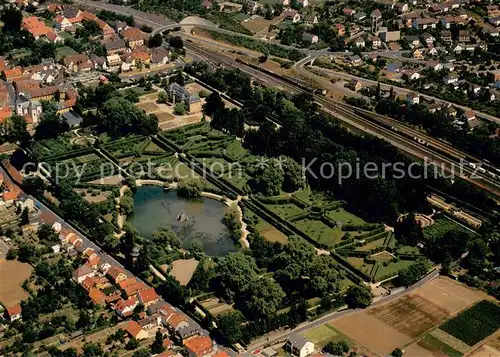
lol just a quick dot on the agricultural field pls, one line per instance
(474, 324)
(406, 320)
(12, 274)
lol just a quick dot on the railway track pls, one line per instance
(441, 154)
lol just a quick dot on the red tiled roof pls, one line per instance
(148, 295)
(97, 296)
(14, 310)
(133, 328)
(114, 272)
(199, 345)
(134, 34)
(5, 113)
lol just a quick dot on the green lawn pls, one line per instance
(285, 210)
(320, 335)
(372, 245)
(64, 51)
(407, 249)
(341, 215)
(313, 197)
(319, 231)
(391, 269)
(236, 150)
(359, 264)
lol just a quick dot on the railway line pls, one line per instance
(405, 138)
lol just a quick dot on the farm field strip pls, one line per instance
(451, 341)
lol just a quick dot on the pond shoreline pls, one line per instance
(173, 186)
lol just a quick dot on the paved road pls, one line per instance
(337, 314)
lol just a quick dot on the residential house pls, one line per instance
(83, 272)
(97, 296)
(131, 286)
(309, 38)
(35, 26)
(114, 46)
(436, 66)
(448, 21)
(199, 346)
(428, 39)
(376, 41)
(54, 38)
(14, 313)
(411, 75)
(470, 118)
(135, 330)
(114, 60)
(418, 53)
(134, 37)
(493, 10)
(490, 30)
(412, 98)
(355, 85)
(474, 89)
(431, 51)
(125, 308)
(450, 67)
(413, 41)
(299, 346)
(457, 48)
(464, 36)
(72, 62)
(422, 24)
(150, 322)
(310, 19)
(495, 21)
(159, 56)
(303, 3)
(72, 13)
(445, 36)
(291, 15)
(62, 23)
(348, 12)
(450, 79)
(116, 274)
(359, 42)
(340, 29)
(140, 58)
(148, 296)
(354, 60)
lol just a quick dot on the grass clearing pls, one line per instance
(321, 335)
(64, 51)
(285, 210)
(272, 234)
(474, 324)
(344, 217)
(319, 231)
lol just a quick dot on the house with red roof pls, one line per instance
(135, 330)
(97, 296)
(83, 272)
(199, 346)
(62, 23)
(13, 313)
(116, 274)
(11, 75)
(36, 27)
(125, 308)
(148, 296)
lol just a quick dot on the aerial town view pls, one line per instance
(259, 178)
